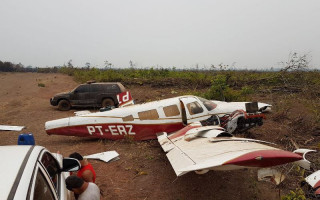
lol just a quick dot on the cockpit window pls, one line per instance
(208, 104)
(194, 108)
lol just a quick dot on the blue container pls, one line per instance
(26, 139)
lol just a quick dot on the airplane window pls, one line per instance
(127, 118)
(194, 108)
(172, 110)
(208, 104)
(149, 115)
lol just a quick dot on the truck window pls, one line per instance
(82, 89)
(121, 87)
(96, 87)
(113, 88)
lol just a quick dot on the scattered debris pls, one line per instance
(304, 163)
(273, 175)
(11, 128)
(314, 181)
(82, 112)
(107, 156)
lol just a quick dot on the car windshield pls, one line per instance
(208, 104)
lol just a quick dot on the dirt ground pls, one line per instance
(143, 171)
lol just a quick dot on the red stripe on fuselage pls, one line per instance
(116, 131)
(265, 158)
(317, 185)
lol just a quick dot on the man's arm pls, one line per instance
(87, 176)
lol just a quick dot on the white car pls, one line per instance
(32, 172)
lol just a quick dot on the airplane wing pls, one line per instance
(221, 152)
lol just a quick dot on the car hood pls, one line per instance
(61, 94)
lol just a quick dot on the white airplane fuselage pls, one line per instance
(142, 121)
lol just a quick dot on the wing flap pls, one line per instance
(165, 142)
(179, 160)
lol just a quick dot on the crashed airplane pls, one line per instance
(199, 132)
(144, 121)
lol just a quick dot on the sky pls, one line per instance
(251, 34)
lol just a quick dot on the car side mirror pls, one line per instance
(70, 165)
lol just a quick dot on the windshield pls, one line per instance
(208, 104)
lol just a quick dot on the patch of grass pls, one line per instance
(149, 157)
(298, 194)
(140, 172)
(129, 139)
(41, 85)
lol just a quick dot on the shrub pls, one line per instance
(295, 195)
(41, 85)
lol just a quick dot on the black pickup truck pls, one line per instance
(89, 95)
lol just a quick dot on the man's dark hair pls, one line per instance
(74, 182)
(76, 155)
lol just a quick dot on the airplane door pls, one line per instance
(192, 110)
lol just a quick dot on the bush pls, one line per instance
(220, 90)
(295, 195)
(41, 85)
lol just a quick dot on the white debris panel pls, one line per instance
(11, 128)
(107, 156)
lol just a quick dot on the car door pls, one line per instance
(95, 93)
(192, 110)
(81, 95)
(52, 166)
(41, 187)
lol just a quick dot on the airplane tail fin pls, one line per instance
(125, 99)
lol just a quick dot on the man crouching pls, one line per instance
(84, 190)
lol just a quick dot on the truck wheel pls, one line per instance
(107, 102)
(64, 105)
